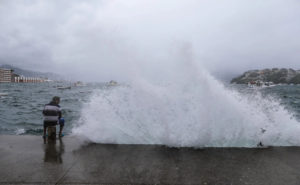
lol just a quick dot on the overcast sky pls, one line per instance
(109, 39)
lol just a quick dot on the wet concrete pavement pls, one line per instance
(27, 160)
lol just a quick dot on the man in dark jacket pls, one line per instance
(52, 115)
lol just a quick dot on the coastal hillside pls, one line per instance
(275, 75)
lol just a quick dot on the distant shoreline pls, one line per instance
(274, 75)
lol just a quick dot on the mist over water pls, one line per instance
(187, 108)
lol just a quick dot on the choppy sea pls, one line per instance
(22, 104)
(127, 117)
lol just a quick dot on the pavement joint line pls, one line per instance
(60, 179)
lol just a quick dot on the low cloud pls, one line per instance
(103, 40)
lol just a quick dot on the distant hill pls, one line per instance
(275, 75)
(34, 74)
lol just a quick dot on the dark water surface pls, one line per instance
(21, 109)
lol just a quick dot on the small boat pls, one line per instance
(3, 94)
(112, 83)
(62, 87)
(85, 91)
(79, 84)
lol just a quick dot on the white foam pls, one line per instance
(20, 131)
(194, 111)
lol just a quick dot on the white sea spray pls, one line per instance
(190, 111)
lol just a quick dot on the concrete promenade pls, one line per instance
(27, 160)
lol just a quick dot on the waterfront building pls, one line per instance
(6, 75)
(14, 77)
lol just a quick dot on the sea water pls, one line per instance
(21, 107)
(200, 112)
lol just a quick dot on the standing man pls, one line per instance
(52, 115)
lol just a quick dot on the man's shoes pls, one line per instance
(61, 135)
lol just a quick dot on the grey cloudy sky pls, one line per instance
(109, 39)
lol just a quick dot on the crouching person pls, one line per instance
(52, 115)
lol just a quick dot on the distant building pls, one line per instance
(23, 79)
(14, 77)
(6, 75)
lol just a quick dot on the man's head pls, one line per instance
(56, 99)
